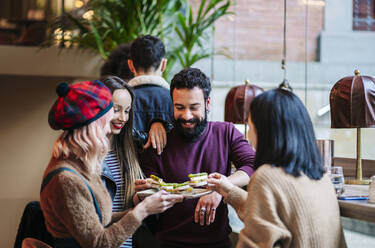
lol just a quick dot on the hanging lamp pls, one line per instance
(237, 103)
(352, 103)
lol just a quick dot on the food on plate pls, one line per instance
(169, 187)
(154, 181)
(198, 179)
(183, 187)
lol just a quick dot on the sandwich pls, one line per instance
(169, 187)
(198, 180)
(183, 187)
(154, 181)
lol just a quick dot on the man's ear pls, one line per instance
(208, 103)
(163, 64)
(131, 67)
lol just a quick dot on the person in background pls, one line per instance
(289, 202)
(153, 110)
(195, 145)
(75, 203)
(117, 63)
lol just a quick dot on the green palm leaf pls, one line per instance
(183, 32)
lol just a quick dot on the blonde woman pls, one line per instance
(75, 203)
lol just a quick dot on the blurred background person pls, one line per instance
(117, 63)
(152, 105)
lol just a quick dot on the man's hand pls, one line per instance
(206, 208)
(157, 137)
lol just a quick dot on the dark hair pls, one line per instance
(123, 142)
(285, 134)
(190, 78)
(146, 52)
(117, 63)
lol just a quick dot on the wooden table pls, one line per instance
(357, 209)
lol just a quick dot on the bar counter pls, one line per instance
(357, 209)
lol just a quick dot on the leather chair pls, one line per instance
(34, 243)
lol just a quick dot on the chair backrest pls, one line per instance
(32, 225)
(34, 243)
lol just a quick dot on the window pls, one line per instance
(364, 15)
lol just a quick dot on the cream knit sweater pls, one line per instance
(285, 211)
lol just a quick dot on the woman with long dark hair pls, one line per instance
(289, 202)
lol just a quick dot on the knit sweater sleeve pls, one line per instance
(116, 216)
(237, 199)
(71, 202)
(263, 226)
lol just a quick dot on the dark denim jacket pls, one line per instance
(151, 102)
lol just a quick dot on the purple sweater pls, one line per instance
(220, 144)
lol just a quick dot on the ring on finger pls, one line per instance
(203, 211)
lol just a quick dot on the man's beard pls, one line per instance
(191, 134)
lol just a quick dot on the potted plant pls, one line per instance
(102, 25)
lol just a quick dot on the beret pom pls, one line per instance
(62, 89)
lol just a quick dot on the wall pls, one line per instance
(25, 145)
(28, 79)
(256, 30)
(49, 62)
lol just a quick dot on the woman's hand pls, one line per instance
(157, 203)
(219, 183)
(141, 184)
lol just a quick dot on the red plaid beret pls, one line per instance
(79, 104)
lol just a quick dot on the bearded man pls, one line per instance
(196, 145)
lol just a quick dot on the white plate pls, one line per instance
(196, 193)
